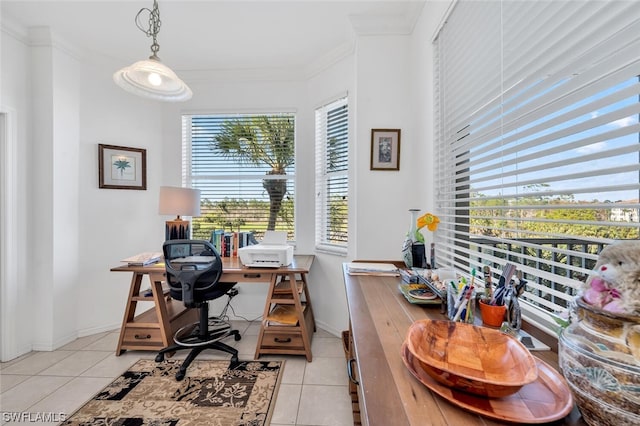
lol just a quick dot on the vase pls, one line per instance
(599, 355)
(413, 251)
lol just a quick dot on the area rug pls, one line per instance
(213, 393)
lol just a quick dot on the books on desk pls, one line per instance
(143, 259)
(378, 269)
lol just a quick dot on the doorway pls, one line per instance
(8, 235)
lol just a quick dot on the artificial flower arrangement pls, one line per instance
(429, 220)
(413, 249)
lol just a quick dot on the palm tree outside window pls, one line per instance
(244, 165)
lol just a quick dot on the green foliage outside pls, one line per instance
(490, 217)
(241, 215)
(573, 222)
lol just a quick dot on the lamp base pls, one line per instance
(177, 230)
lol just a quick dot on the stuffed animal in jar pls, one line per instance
(614, 285)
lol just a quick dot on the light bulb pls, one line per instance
(154, 79)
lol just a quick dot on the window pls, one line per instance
(332, 178)
(244, 165)
(537, 148)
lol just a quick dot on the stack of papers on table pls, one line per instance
(364, 268)
(143, 259)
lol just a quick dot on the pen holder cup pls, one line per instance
(492, 315)
(465, 313)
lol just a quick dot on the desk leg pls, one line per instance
(161, 309)
(308, 300)
(130, 311)
(267, 308)
(306, 342)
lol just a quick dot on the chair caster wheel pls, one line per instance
(159, 357)
(179, 375)
(237, 337)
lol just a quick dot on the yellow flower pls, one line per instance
(429, 220)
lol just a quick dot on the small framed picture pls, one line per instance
(385, 149)
(121, 167)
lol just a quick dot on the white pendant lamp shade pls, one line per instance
(152, 79)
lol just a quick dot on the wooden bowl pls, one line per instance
(473, 359)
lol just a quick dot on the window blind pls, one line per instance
(537, 148)
(244, 165)
(332, 180)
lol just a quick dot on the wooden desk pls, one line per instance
(154, 328)
(387, 393)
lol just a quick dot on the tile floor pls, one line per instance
(311, 394)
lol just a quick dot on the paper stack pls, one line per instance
(373, 268)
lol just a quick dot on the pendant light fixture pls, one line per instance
(151, 78)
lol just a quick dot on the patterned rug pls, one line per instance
(213, 393)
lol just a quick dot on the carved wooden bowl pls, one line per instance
(473, 359)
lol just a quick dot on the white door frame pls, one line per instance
(9, 234)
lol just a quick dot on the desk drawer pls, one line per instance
(142, 336)
(280, 339)
(247, 277)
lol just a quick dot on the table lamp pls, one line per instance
(181, 202)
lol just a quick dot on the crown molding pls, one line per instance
(14, 30)
(386, 24)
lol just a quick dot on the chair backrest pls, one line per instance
(193, 268)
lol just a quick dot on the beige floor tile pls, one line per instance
(112, 366)
(294, 368)
(323, 333)
(71, 396)
(29, 392)
(327, 347)
(82, 342)
(286, 409)
(6, 364)
(240, 325)
(324, 406)
(106, 343)
(325, 371)
(246, 347)
(37, 362)
(253, 329)
(7, 381)
(75, 364)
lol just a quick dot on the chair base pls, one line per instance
(195, 351)
(198, 342)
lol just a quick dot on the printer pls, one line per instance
(272, 252)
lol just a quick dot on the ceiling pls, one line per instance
(216, 34)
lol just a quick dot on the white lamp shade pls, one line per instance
(179, 201)
(152, 79)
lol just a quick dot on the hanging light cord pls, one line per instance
(154, 26)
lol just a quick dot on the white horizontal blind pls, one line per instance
(332, 179)
(537, 138)
(244, 165)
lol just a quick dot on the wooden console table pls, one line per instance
(386, 392)
(154, 328)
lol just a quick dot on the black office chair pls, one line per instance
(194, 268)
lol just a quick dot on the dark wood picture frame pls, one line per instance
(121, 167)
(385, 149)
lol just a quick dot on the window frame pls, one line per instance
(324, 178)
(190, 178)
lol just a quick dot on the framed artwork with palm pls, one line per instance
(121, 167)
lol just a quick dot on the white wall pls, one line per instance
(15, 103)
(114, 223)
(388, 79)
